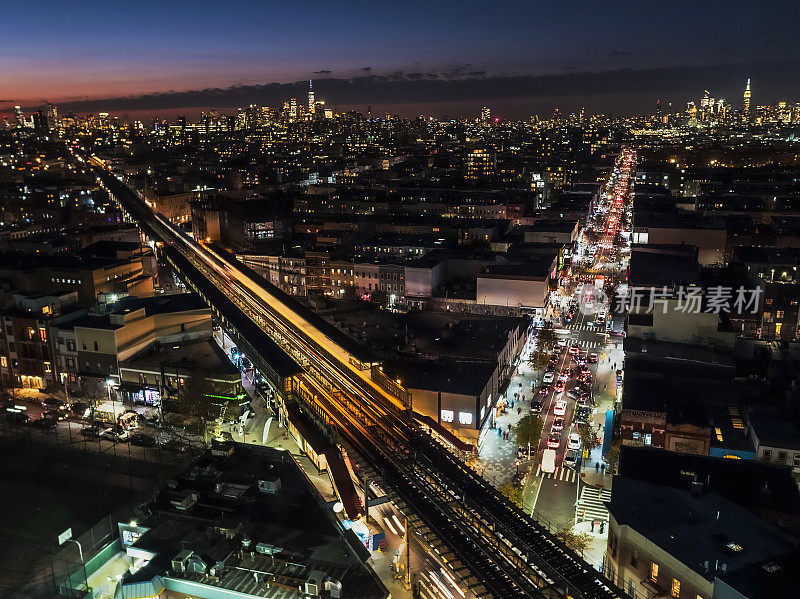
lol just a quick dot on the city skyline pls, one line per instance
(418, 59)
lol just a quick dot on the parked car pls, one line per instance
(45, 423)
(79, 408)
(544, 389)
(17, 416)
(574, 441)
(548, 378)
(536, 406)
(116, 434)
(142, 440)
(172, 444)
(94, 431)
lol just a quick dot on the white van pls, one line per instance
(549, 460)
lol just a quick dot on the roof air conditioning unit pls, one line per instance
(187, 500)
(314, 583)
(180, 560)
(334, 588)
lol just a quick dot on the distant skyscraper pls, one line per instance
(51, 112)
(19, 117)
(746, 103)
(311, 102)
(486, 115)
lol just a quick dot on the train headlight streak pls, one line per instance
(397, 521)
(450, 579)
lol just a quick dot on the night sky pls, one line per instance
(403, 57)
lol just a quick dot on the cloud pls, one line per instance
(399, 88)
(322, 72)
(622, 53)
(366, 69)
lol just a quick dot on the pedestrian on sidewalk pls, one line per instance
(603, 468)
(597, 466)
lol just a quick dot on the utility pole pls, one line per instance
(366, 498)
(407, 535)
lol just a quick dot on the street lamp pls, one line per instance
(66, 537)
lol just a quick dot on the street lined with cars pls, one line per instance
(586, 355)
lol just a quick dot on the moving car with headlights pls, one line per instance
(554, 441)
(560, 408)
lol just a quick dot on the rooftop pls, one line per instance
(161, 304)
(749, 483)
(768, 255)
(234, 518)
(696, 529)
(202, 355)
(659, 265)
(466, 378)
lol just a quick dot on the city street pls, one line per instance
(575, 494)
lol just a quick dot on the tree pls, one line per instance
(513, 493)
(528, 429)
(349, 292)
(539, 359)
(378, 296)
(196, 401)
(575, 540)
(589, 438)
(545, 342)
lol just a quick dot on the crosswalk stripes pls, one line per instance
(560, 473)
(591, 506)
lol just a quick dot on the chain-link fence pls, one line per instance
(177, 450)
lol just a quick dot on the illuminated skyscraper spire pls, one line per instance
(746, 103)
(311, 103)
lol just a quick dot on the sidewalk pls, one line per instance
(597, 549)
(497, 457)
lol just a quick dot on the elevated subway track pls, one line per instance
(503, 548)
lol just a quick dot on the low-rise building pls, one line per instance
(103, 341)
(690, 527)
(155, 374)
